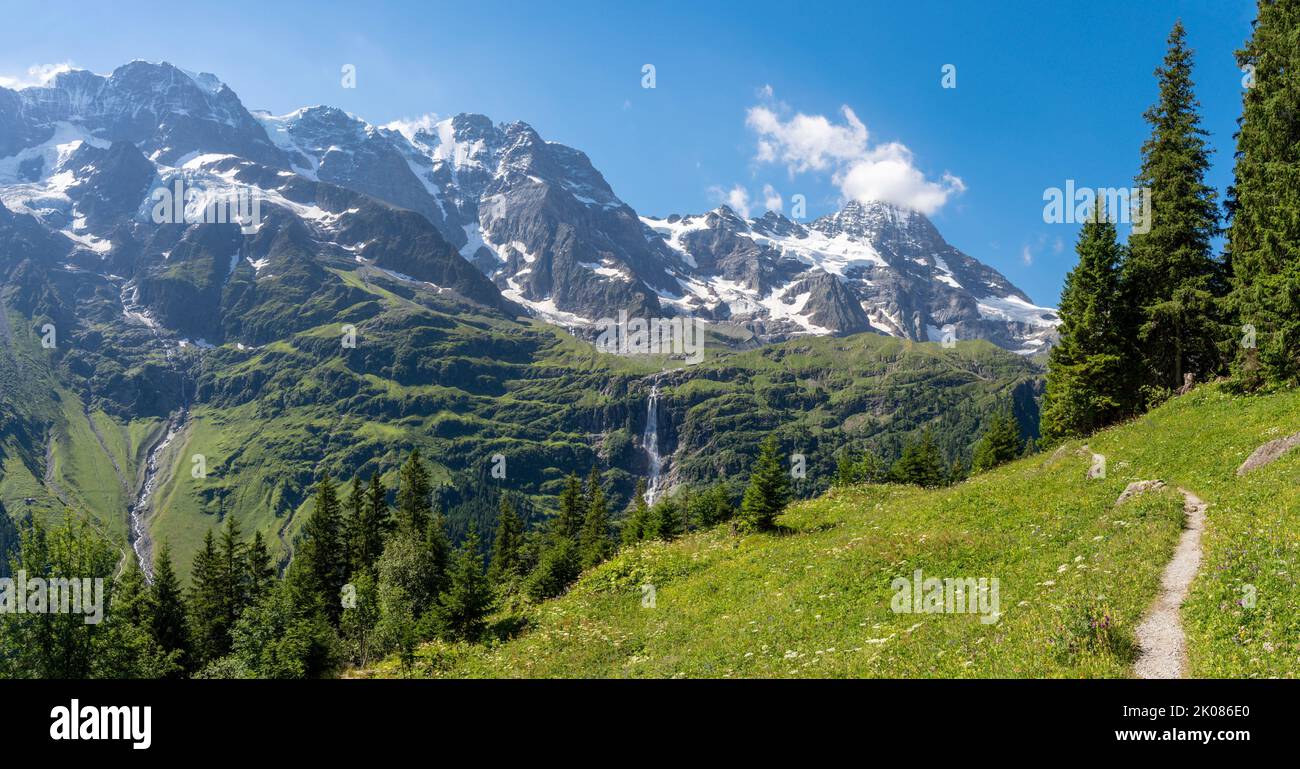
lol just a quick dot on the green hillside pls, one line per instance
(1076, 572)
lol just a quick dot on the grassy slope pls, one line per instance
(815, 601)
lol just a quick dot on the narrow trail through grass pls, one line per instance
(1160, 636)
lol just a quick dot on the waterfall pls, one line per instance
(650, 442)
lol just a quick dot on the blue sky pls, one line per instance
(1045, 91)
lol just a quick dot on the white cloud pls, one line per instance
(862, 171)
(772, 199)
(37, 75)
(736, 198)
(806, 142)
(409, 127)
(1026, 256)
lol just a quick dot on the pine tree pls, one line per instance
(1263, 246)
(846, 470)
(128, 649)
(1087, 385)
(768, 491)
(210, 635)
(872, 468)
(505, 566)
(463, 607)
(921, 463)
(569, 521)
(438, 545)
(168, 624)
(713, 506)
(663, 520)
(1000, 443)
(233, 572)
(595, 544)
(377, 523)
(1170, 277)
(637, 520)
(318, 568)
(353, 526)
(260, 569)
(414, 495)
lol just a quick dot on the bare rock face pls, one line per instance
(1268, 453)
(1137, 488)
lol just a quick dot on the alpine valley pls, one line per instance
(435, 284)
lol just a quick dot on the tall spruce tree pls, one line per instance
(318, 567)
(637, 519)
(1263, 246)
(354, 519)
(233, 570)
(1170, 278)
(505, 565)
(595, 543)
(168, 623)
(209, 633)
(414, 495)
(260, 568)
(1087, 383)
(438, 545)
(569, 521)
(463, 607)
(768, 491)
(375, 524)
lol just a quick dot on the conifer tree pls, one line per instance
(1170, 276)
(353, 524)
(168, 624)
(318, 567)
(663, 520)
(872, 468)
(376, 523)
(463, 607)
(569, 521)
(260, 569)
(637, 520)
(505, 564)
(921, 463)
(1000, 443)
(414, 495)
(1263, 246)
(595, 544)
(438, 545)
(210, 635)
(768, 491)
(1087, 385)
(233, 570)
(713, 506)
(128, 649)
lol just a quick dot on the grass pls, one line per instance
(1076, 573)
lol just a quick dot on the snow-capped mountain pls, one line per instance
(491, 213)
(868, 266)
